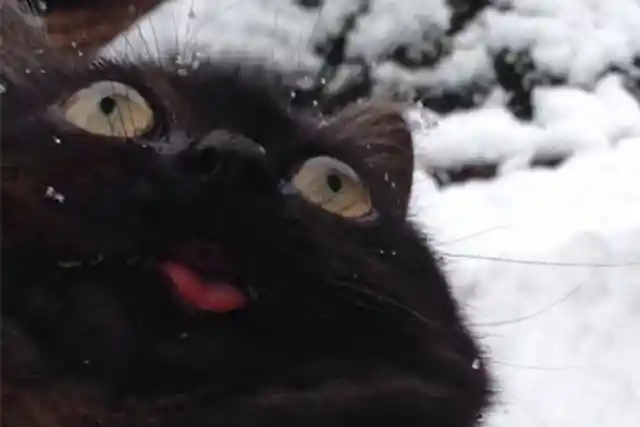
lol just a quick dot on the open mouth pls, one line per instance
(201, 276)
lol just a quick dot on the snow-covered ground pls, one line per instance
(546, 262)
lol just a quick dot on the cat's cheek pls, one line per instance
(20, 356)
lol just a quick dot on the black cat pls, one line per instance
(182, 249)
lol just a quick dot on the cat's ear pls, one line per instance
(381, 134)
(85, 25)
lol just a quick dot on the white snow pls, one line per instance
(562, 328)
(546, 263)
(567, 120)
(578, 37)
(391, 22)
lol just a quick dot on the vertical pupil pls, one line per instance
(334, 182)
(107, 105)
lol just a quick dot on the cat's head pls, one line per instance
(181, 248)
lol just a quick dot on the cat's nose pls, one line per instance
(224, 157)
(226, 142)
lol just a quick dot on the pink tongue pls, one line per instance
(216, 296)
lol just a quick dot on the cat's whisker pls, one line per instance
(176, 26)
(538, 368)
(190, 19)
(192, 36)
(275, 25)
(381, 298)
(367, 302)
(181, 47)
(193, 31)
(539, 312)
(144, 42)
(317, 22)
(593, 265)
(155, 39)
(127, 46)
(537, 262)
(468, 237)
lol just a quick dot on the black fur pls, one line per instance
(349, 323)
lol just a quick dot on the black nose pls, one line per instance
(204, 161)
(224, 141)
(225, 158)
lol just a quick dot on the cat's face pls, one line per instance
(181, 249)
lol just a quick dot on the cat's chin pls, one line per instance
(318, 394)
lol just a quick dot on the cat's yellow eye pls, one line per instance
(109, 108)
(335, 186)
